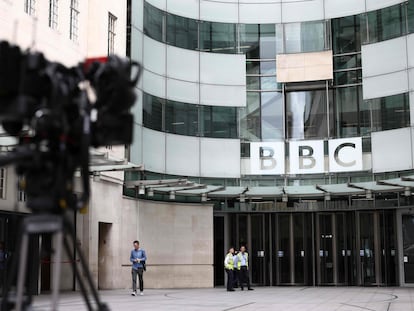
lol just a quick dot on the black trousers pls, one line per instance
(230, 279)
(244, 277)
(134, 273)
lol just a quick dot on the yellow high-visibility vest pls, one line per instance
(239, 255)
(229, 263)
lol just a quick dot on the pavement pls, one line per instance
(262, 298)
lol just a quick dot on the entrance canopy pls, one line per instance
(184, 187)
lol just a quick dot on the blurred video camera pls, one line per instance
(57, 113)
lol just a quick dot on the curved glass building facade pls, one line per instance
(295, 119)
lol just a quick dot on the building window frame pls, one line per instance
(112, 20)
(3, 174)
(53, 13)
(30, 7)
(74, 20)
(21, 194)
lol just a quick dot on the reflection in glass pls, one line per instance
(253, 83)
(152, 112)
(346, 34)
(153, 21)
(268, 67)
(306, 37)
(306, 115)
(390, 112)
(253, 67)
(182, 32)
(250, 118)
(347, 101)
(386, 23)
(269, 84)
(272, 115)
(249, 40)
(218, 37)
(267, 41)
(181, 118)
(219, 122)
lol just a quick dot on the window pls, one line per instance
(181, 118)
(306, 114)
(111, 33)
(386, 23)
(152, 112)
(30, 7)
(74, 20)
(182, 32)
(305, 37)
(219, 122)
(154, 20)
(53, 14)
(2, 183)
(21, 194)
(218, 37)
(390, 112)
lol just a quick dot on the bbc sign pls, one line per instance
(306, 157)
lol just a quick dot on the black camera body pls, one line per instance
(58, 113)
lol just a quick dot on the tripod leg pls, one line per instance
(78, 276)
(22, 270)
(87, 274)
(56, 270)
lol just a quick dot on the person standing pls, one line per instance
(138, 258)
(243, 267)
(229, 267)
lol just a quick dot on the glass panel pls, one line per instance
(253, 67)
(388, 248)
(347, 102)
(218, 37)
(341, 248)
(153, 19)
(299, 248)
(249, 40)
(410, 16)
(253, 83)
(181, 118)
(250, 118)
(268, 68)
(267, 41)
(386, 23)
(306, 115)
(408, 247)
(269, 84)
(326, 249)
(283, 252)
(347, 61)
(220, 122)
(367, 251)
(182, 32)
(292, 38)
(390, 112)
(152, 112)
(257, 252)
(313, 36)
(272, 116)
(348, 77)
(346, 34)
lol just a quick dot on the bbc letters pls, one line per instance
(306, 157)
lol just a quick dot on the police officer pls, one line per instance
(243, 267)
(229, 267)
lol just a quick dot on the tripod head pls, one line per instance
(58, 113)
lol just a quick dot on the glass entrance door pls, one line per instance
(408, 247)
(367, 249)
(292, 245)
(326, 247)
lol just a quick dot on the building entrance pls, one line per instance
(321, 248)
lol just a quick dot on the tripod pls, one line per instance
(62, 229)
